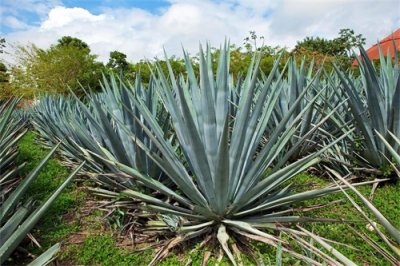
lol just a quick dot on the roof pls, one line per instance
(386, 45)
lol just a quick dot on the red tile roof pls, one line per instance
(386, 45)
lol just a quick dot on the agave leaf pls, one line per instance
(16, 195)
(223, 238)
(13, 241)
(393, 231)
(46, 257)
(13, 222)
(395, 155)
(331, 249)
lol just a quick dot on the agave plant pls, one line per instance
(299, 78)
(16, 215)
(88, 126)
(11, 131)
(376, 108)
(392, 149)
(320, 128)
(220, 185)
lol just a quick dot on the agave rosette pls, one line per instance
(85, 125)
(374, 102)
(220, 183)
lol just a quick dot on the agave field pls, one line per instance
(205, 161)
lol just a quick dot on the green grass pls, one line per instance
(52, 227)
(102, 250)
(387, 200)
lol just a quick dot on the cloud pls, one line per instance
(143, 34)
(20, 7)
(60, 17)
(14, 23)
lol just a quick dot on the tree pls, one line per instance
(349, 40)
(117, 61)
(4, 76)
(5, 86)
(72, 41)
(339, 46)
(61, 68)
(2, 44)
(337, 50)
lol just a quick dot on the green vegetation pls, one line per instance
(102, 250)
(208, 156)
(70, 60)
(338, 50)
(101, 247)
(18, 211)
(53, 227)
(59, 69)
(200, 143)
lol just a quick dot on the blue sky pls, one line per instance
(141, 28)
(31, 16)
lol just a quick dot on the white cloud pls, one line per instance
(140, 34)
(61, 17)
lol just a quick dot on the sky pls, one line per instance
(142, 28)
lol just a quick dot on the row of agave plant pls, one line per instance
(213, 155)
(19, 214)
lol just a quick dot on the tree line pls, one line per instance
(69, 64)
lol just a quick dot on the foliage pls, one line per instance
(53, 227)
(392, 147)
(117, 62)
(78, 124)
(11, 131)
(338, 49)
(386, 199)
(227, 130)
(59, 69)
(339, 46)
(221, 182)
(347, 233)
(374, 102)
(2, 44)
(5, 86)
(66, 41)
(102, 250)
(392, 231)
(4, 76)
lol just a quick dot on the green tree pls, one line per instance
(2, 44)
(144, 67)
(337, 50)
(4, 76)
(72, 41)
(4, 82)
(339, 46)
(117, 61)
(349, 40)
(64, 66)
